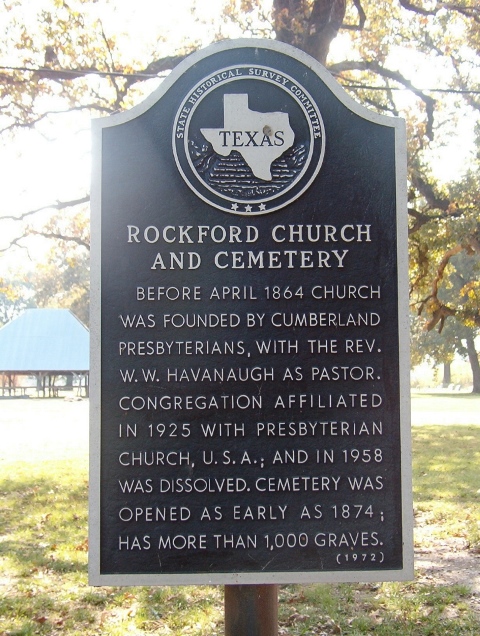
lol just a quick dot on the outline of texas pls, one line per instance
(260, 138)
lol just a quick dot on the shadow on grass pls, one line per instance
(43, 520)
(386, 609)
(445, 463)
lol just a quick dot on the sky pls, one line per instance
(53, 163)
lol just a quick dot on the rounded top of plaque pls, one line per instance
(248, 139)
(247, 122)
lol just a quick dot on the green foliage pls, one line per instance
(454, 306)
(15, 296)
(63, 281)
(445, 251)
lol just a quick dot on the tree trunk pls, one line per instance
(474, 363)
(313, 32)
(447, 375)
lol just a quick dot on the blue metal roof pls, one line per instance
(44, 340)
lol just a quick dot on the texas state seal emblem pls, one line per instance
(248, 139)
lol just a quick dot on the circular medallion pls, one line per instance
(248, 139)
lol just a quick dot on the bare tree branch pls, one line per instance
(61, 237)
(426, 190)
(439, 316)
(59, 205)
(469, 12)
(362, 18)
(59, 74)
(439, 310)
(422, 219)
(111, 67)
(156, 68)
(441, 267)
(29, 121)
(377, 68)
(16, 243)
(474, 103)
(413, 7)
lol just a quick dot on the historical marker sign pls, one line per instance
(250, 412)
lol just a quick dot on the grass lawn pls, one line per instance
(43, 549)
(445, 408)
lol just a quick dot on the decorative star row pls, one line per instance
(248, 208)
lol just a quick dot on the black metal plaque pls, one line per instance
(249, 330)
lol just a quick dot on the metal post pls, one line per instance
(251, 610)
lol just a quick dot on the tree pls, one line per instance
(16, 295)
(441, 348)
(457, 296)
(63, 281)
(69, 59)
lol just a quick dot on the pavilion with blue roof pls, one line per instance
(44, 343)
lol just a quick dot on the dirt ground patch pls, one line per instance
(448, 561)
